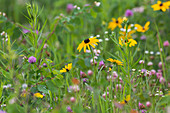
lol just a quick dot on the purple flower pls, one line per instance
(2, 111)
(31, 59)
(101, 63)
(85, 80)
(159, 75)
(44, 64)
(69, 7)
(143, 111)
(141, 106)
(83, 74)
(69, 109)
(27, 31)
(143, 37)
(166, 43)
(152, 72)
(87, 5)
(128, 13)
(162, 80)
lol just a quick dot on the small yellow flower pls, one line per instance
(85, 43)
(131, 42)
(115, 23)
(125, 19)
(161, 6)
(116, 61)
(126, 33)
(38, 95)
(141, 28)
(67, 68)
(110, 68)
(125, 100)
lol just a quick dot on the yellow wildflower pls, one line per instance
(67, 68)
(141, 28)
(85, 43)
(161, 6)
(38, 95)
(116, 61)
(115, 23)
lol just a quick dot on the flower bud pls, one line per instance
(90, 72)
(148, 104)
(72, 99)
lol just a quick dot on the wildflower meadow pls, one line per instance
(84, 56)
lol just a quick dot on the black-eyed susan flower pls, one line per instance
(110, 68)
(116, 61)
(115, 23)
(125, 100)
(67, 68)
(87, 42)
(130, 42)
(38, 95)
(161, 6)
(142, 28)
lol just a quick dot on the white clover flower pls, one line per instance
(88, 51)
(91, 36)
(106, 32)
(128, 30)
(97, 3)
(4, 14)
(100, 40)
(78, 8)
(121, 29)
(146, 52)
(3, 33)
(95, 57)
(98, 51)
(131, 25)
(97, 35)
(75, 6)
(107, 39)
(157, 53)
(151, 52)
(5, 87)
(150, 64)
(9, 85)
(135, 28)
(24, 86)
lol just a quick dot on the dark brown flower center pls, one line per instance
(117, 21)
(125, 41)
(161, 4)
(125, 101)
(143, 28)
(86, 41)
(67, 70)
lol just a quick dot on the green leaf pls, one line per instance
(93, 13)
(42, 88)
(51, 86)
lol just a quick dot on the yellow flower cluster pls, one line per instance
(116, 61)
(130, 42)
